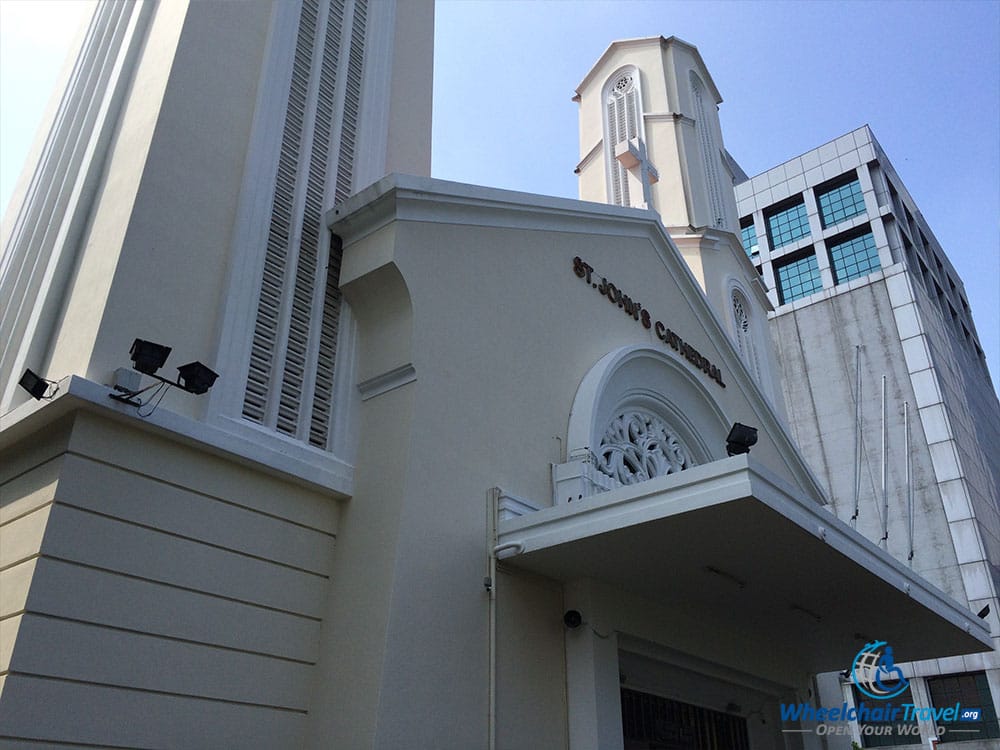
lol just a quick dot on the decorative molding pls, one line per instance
(579, 478)
(637, 446)
(596, 150)
(245, 442)
(387, 381)
(512, 506)
(43, 243)
(668, 117)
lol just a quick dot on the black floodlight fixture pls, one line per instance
(984, 612)
(572, 619)
(148, 357)
(740, 439)
(196, 378)
(36, 385)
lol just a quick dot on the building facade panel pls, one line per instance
(921, 337)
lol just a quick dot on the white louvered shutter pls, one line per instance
(624, 110)
(290, 381)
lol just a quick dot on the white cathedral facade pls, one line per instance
(472, 473)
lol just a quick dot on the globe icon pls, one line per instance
(875, 673)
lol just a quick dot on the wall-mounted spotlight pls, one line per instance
(984, 612)
(147, 358)
(740, 439)
(38, 386)
(196, 378)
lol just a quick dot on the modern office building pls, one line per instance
(886, 387)
(474, 472)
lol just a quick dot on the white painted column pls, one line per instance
(593, 691)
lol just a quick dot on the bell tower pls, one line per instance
(650, 138)
(650, 134)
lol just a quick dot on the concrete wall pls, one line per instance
(913, 324)
(815, 346)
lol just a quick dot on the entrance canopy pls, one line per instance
(728, 541)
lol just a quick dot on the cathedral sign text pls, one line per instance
(637, 312)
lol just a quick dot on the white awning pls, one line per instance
(728, 540)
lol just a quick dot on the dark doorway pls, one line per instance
(650, 722)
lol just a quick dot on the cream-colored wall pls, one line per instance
(502, 333)
(646, 56)
(409, 127)
(170, 596)
(87, 296)
(156, 255)
(680, 196)
(531, 700)
(346, 701)
(28, 478)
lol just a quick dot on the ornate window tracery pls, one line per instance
(742, 319)
(638, 445)
(744, 334)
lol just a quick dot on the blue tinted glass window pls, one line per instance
(886, 733)
(788, 225)
(798, 279)
(853, 258)
(841, 203)
(972, 690)
(749, 237)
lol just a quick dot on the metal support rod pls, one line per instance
(857, 437)
(885, 469)
(492, 510)
(909, 477)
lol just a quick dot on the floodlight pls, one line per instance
(194, 377)
(148, 357)
(740, 439)
(33, 384)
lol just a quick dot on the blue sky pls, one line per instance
(793, 75)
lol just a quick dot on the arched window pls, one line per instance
(623, 122)
(744, 333)
(639, 445)
(709, 153)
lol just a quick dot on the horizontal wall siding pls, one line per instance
(27, 488)
(103, 716)
(155, 595)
